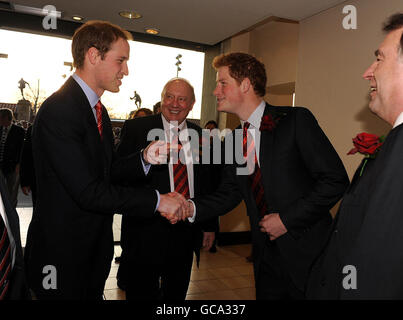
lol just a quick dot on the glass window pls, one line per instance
(41, 59)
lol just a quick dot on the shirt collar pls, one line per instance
(256, 117)
(89, 93)
(399, 120)
(170, 127)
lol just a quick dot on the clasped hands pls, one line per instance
(174, 207)
(272, 225)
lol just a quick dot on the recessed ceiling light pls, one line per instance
(77, 18)
(152, 31)
(130, 14)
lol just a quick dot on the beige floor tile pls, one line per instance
(246, 293)
(115, 294)
(240, 250)
(222, 295)
(194, 288)
(244, 270)
(249, 277)
(114, 271)
(111, 283)
(201, 275)
(224, 272)
(211, 285)
(237, 282)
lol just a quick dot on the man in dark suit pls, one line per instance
(13, 284)
(70, 243)
(363, 258)
(292, 178)
(11, 142)
(154, 249)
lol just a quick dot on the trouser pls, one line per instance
(167, 281)
(12, 182)
(273, 281)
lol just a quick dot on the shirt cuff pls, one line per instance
(158, 201)
(146, 167)
(192, 219)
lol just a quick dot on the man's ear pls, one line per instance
(93, 55)
(245, 85)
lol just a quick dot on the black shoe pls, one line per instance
(213, 249)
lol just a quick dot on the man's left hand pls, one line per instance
(272, 225)
(208, 239)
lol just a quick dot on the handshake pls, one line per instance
(174, 207)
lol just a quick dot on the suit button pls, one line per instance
(336, 231)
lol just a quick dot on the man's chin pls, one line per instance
(114, 90)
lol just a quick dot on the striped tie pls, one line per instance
(5, 259)
(181, 175)
(98, 108)
(255, 179)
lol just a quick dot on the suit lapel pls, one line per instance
(266, 153)
(106, 136)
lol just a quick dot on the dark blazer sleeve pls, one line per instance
(225, 198)
(62, 133)
(326, 169)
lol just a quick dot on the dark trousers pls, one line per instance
(13, 182)
(273, 281)
(167, 281)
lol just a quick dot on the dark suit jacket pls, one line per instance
(13, 148)
(18, 288)
(71, 227)
(368, 234)
(325, 280)
(153, 240)
(302, 176)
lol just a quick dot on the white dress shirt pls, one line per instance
(399, 120)
(170, 129)
(254, 129)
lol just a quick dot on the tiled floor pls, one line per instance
(224, 275)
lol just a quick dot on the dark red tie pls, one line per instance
(98, 108)
(181, 175)
(255, 179)
(5, 259)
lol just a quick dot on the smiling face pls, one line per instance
(177, 100)
(385, 76)
(228, 92)
(110, 70)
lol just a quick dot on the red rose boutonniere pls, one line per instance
(368, 145)
(267, 123)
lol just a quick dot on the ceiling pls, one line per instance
(201, 21)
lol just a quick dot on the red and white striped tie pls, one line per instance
(255, 179)
(5, 259)
(98, 109)
(181, 175)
